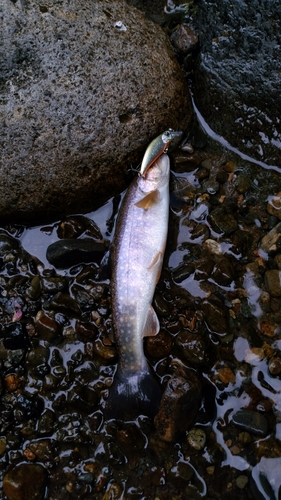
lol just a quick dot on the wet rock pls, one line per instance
(67, 112)
(196, 438)
(271, 242)
(180, 474)
(223, 220)
(82, 397)
(215, 315)
(38, 356)
(160, 345)
(251, 421)
(243, 183)
(179, 405)
(213, 246)
(33, 292)
(15, 336)
(44, 449)
(162, 307)
(274, 366)
(272, 280)
(184, 39)
(54, 284)
(223, 272)
(210, 187)
(274, 205)
(182, 272)
(47, 328)
(25, 482)
(66, 253)
(200, 233)
(192, 347)
(64, 303)
(242, 481)
(234, 79)
(75, 225)
(7, 244)
(200, 212)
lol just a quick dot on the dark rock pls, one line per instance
(271, 242)
(182, 272)
(25, 482)
(272, 280)
(159, 345)
(180, 474)
(15, 336)
(7, 244)
(238, 73)
(75, 225)
(215, 315)
(179, 405)
(78, 97)
(64, 303)
(47, 328)
(223, 273)
(192, 347)
(251, 421)
(223, 220)
(184, 39)
(66, 253)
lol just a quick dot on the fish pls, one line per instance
(136, 259)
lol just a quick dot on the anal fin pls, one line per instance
(151, 326)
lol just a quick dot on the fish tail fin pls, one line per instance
(131, 395)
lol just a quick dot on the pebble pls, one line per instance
(15, 336)
(47, 328)
(69, 252)
(243, 183)
(223, 220)
(184, 39)
(213, 246)
(274, 366)
(25, 482)
(271, 242)
(65, 303)
(179, 404)
(159, 345)
(251, 421)
(192, 347)
(242, 481)
(182, 272)
(223, 272)
(8, 244)
(196, 438)
(215, 315)
(272, 281)
(274, 205)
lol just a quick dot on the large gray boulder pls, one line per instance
(84, 87)
(238, 73)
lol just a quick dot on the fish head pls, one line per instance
(157, 147)
(156, 176)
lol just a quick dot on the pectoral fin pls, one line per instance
(152, 326)
(149, 200)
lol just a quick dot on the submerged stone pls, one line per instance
(251, 421)
(25, 482)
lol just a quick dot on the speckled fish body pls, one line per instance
(137, 257)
